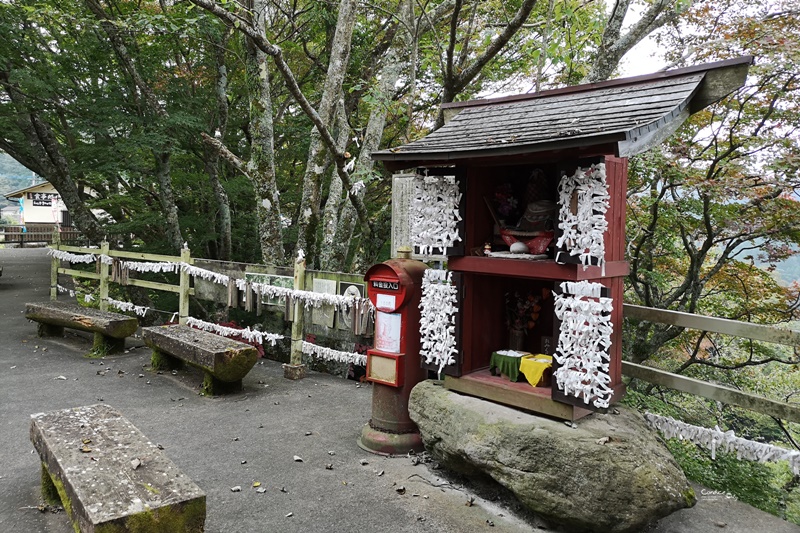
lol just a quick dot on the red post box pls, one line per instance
(393, 365)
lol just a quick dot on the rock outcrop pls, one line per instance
(609, 473)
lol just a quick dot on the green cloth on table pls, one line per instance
(506, 364)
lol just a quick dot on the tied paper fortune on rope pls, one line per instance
(583, 230)
(140, 310)
(329, 354)
(248, 334)
(72, 258)
(713, 439)
(309, 298)
(583, 342)
(438, 308)
(434, 214)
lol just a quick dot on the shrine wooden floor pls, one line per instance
(517, 394)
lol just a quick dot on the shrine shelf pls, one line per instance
(546, 269)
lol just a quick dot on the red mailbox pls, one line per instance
(393, 365)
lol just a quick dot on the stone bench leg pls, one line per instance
(164, 361)
(213, 387)
(50, 493)
(103, 344)
(49, 330)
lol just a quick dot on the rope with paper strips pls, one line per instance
(714, 439)
(583, 230)
(329, 354)
(438, 307)
(583, 342)
(434, 214)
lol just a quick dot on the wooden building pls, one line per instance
(511, 153)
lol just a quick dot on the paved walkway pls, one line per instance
(237, 440)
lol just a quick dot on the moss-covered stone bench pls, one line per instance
(109, 477)
(110, 329)
(224, 361)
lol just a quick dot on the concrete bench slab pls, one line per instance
(110, 328)
(109, 477)
(224, 361)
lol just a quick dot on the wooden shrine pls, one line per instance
(510, 158)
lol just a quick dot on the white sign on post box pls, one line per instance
(386, 302)
(387, 332)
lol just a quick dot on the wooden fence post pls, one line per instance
(54, 264)
(183, 296)
(295, 369)
(104, 276)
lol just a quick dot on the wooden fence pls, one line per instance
(299, 279)
(711, 391)
(36, 234)
(302, 280)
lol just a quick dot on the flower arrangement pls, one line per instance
(522, 310)
(504, 200)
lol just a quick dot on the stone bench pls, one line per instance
(110, 329)
(109, 477)
(224, 361)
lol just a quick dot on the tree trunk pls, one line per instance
(167, 200)
(335, 206)
(212, 156)
(336, 250)
(315, 164)
(45, 157)
(261, 166)
(154, 107)
(614, 44)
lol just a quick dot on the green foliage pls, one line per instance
(753, 483)
(770, 487)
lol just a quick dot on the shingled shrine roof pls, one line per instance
(628, 114)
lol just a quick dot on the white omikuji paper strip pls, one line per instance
(140, 310)
(63, 289)
(438, 308)
(583, 342)
(309, 298)
(150, 267)
(329, 354)
(434, 214)
(583, 231)
(249, 334)
(714, 439)
(72, 258)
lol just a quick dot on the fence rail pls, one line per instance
(301, 280)
(36, 234)
(712, 391)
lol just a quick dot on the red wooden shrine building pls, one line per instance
(514, 152)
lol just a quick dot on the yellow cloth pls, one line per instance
(533, 366)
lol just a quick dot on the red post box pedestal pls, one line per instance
(393, 365)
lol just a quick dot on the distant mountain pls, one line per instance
(789, 270)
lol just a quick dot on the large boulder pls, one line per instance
(609, 473)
